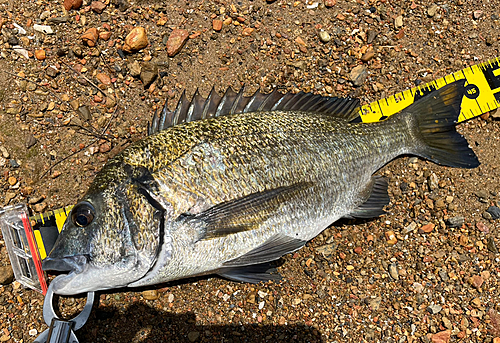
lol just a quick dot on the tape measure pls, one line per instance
(482, 93)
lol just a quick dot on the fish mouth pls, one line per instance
(75, 264)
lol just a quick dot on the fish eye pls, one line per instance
(83, 214)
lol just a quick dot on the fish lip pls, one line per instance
(75, 264)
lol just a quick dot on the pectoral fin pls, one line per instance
(376, 198)
(246, 213)
(251, 274)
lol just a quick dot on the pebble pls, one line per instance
(104, 147)
(52, 72)
(4, 151)
(330, 3)
(476, 281)
(393, 271)
(97, 6)
(390, 236)
(368, 55)
(12, 180)
(40, 54)
(217, 25)
(136, 40)
(482, 227)
(150, 294)
(324, 36)
(327, 250)
(6, 275)
(176, 41)
(43, 29)
(90, 37)
(491, 245)
(84, 113)
(103, 78)
(427, 228)
(432, 10)
(398, 22)
(149, 72)
(441, 337)
(9, 196)
(482, 195)
(374, 303)
(33, 332)
(456, 221)
(494, 212)
(72, 4)
(372, 34)
(434, 308)
(193, 336)
(358, 75)
(409, 228)
(14, 163)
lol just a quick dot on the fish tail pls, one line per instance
(434, 118)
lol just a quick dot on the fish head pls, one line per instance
(109, 240)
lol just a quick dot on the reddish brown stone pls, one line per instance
(176, 41)
(330, 3)
(90, 37)
(217, 25)
(427, 228)
(97, 6)
(103, 78)
(72, 4)
(441, 337)
(104, 35)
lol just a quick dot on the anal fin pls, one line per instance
(376, 200)
(251, 274)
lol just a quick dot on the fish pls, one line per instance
(226, 185)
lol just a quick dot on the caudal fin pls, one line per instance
(436, 116)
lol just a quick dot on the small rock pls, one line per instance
(12, 180)
(447, 323)
(44, 29)
(482, 227)
(84, 113)
(90, 37)
(409, 228)
(482, 194)
(4, 151)
(193, 336)
(427, 228)
(149, 72)
(136, 40)
(40, 207)
(104, 148)
(104, 35)
(374, 303)
(476, 281)
(491, 245)
(494, 212)
(433, 182)
(444, 275)
(134, 68)
(35, 200)
(217, 25)
(477, 14)
(358, 75)
(330, 3)
(72, 4)
(372, 34)
(151, 294)
(391, 237)
(6, 275)
(434, 308)
(97, 6)
(33, 332)
(176, 41)
(432, 10)
(324, 36)
(368, 55)
(40, 54)
(327, 250)
(14, 163)
(103, 78)
(9, 196)
(247, 31)
(476, 302)
(52, 72)
(456, 221)
(441, 337)
(398, 22)
(30, 140)
(393, 271)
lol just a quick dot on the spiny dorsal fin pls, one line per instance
(232, 103)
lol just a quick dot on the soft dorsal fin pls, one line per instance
(235, 102)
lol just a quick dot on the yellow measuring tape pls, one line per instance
(482, 93)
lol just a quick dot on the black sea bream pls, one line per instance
(226, 185)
